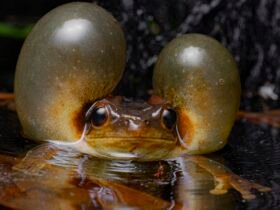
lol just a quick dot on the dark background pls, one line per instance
(250, 29)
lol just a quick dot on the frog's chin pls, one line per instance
(140, 149)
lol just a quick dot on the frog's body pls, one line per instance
(75, 56)
(135, 130)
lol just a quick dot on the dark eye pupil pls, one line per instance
(169, 118)
(99, 116)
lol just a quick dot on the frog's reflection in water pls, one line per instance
(173, 184)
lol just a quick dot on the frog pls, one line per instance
(72, 61)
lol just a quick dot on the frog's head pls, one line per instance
(117, 127)
(194, 73)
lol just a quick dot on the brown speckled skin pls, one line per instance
(63, 65)
(200, 78)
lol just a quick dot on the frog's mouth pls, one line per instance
(128, 148)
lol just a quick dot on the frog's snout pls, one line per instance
(136, 125)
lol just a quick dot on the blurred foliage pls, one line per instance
(12, 31)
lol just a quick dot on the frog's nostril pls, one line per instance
(133, 125)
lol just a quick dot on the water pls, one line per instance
(81, 182)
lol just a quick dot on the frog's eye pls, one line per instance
(99, 116)
(168, 118)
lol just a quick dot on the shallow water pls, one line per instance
(87, 183)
